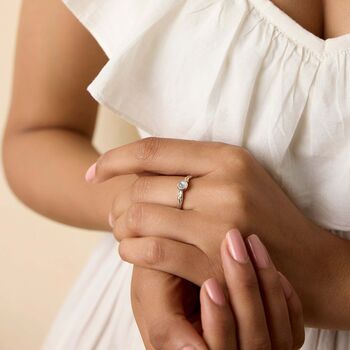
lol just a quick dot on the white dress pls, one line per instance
(237, 71)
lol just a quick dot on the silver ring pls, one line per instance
(182, 186)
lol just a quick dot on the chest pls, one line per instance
(324, 18)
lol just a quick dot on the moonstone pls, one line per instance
(182, 185)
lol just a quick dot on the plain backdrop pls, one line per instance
(39, 259)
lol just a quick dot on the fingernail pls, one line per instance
(188, 347)
(259, 251)
(286, 286)
(90, 174)
(110, 220)
(236, 246)
(215, 292)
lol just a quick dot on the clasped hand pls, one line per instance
(229, 189)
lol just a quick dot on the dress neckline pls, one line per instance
(291, 28)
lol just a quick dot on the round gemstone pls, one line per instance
(182, 185)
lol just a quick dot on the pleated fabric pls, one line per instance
(237, 71)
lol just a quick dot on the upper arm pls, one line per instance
(56, 59)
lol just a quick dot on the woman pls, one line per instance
(266, 100)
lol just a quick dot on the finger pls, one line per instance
(176, 258)
(244, 294)
(295, 312)
(158, 190)
(160, 299)
(157, 155)
(217, 318)
(275, 303)
(146, 219)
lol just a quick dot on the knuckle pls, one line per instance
(242, 162)
(116, 209)
(122, 251)
(227, 152)
(119, 231)
(135, 216)
(238, 207)
(238, 194)
(154, 252)
(140, 188)
(148, 148)
(238, 158)
(240, 200)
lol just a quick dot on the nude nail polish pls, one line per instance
(236, 246)
(260, 254)
(215, 292)
(90, 174)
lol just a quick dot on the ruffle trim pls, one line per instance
(255, 92)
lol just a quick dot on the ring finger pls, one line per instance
(155, 189)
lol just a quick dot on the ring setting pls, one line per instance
(182, 186)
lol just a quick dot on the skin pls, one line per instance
(234, 319)
(224, 319)
(52, 118)
(260, 295)
(245, 196)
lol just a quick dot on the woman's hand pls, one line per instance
(166, 309)
(263, 311)
(229, 189)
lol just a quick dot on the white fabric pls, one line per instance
(237, 71)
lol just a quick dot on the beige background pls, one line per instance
(39, 259)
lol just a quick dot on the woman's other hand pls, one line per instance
(262, 311)
(255, 308)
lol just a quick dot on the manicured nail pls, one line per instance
(110, 220)
(236, 246)
(259, 251)
(215, 292)
(188, 347)
(287, 288)
(90, 174)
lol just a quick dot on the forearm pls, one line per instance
(46, 167)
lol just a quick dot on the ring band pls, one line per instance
(182, 186)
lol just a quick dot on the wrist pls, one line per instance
(326, 303)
